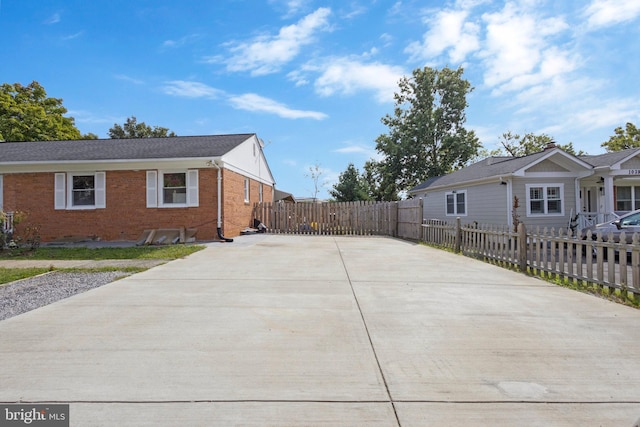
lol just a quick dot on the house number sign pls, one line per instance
(634, 171)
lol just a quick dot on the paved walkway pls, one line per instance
(331, 331)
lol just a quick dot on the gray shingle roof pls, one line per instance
(121, 149)
(489, 167)
(608, 159)
(497, 166)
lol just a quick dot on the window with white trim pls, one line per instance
(627, 198)
(172, 189)
(80, 190)
(456, 203)
(260, 192)
(545, 199)
(246, 190)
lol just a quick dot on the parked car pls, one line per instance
(629, 223)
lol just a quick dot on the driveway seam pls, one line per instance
(366, 328)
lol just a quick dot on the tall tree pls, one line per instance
(27, 114)
(629, 137)
(426, 135)
(518, 146)
(350, 186)
(133, 129)
(378, 183)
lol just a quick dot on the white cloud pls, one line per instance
(604, 13)
(129, 79)
(257, 103)
(248, 101)
(449, 30)
(53, 19)
(189, 89)
(267, 54)
(518, 51)
(347, 76)
(366, 151)
(608, 113)
(172, 44)
(73, 36)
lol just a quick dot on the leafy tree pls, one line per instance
(518, 146)
(378, 184)
(629, 137)
(350, 186)
(27, 114)
(426, 135)
(133, 129)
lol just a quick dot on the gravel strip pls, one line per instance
(31, 293)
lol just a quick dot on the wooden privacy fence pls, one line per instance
(401, 219)
(551, 254)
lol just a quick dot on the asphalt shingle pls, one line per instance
(120, 149)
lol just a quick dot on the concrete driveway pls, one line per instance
(276, 330)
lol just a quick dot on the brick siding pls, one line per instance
(126, 215)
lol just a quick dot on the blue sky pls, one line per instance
(314, 78)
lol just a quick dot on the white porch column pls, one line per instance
(608, 195)
(576, 188)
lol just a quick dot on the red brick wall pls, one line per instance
(126, 215)
(238, 214)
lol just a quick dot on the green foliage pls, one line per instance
(426, 135)
(133, 129)
(378, 182)
(82, 253)
(27, 114)
(530, 143)
(350, 187)
(12, 274)
(629, 137)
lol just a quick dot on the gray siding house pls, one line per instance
(553, 188)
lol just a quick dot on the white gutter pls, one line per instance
(215, 164)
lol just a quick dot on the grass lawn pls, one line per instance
(79, 253)
(12, 274)
(54, 253)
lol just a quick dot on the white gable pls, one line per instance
(248, 159)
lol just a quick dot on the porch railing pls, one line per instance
(587, 219)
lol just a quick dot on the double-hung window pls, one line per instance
(545, 199)
(172, 189)
(246, 190)
(80, 190)
(456, 202)
(627, 198)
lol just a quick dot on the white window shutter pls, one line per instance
(192, 188)
(101, 190)
(60, 191)
(1, 186)
(152, 189)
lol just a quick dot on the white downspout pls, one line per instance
(219, 196)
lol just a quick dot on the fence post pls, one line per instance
(522, 247)
(458, 241)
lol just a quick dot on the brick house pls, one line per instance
(114, 189)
